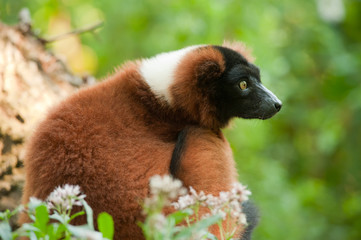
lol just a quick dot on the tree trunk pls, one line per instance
(32, 80)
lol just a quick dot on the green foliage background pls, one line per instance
(304, 165)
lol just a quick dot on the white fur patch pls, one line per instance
(158, 71)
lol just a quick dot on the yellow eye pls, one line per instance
(243, 85)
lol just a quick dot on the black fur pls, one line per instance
(178, 152)
(232, 58)
(252, 217)
(231, 101)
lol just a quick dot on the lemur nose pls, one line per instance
(278, 106)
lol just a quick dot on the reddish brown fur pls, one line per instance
(240, 48)
(207, 151)
(205, 144)
(188, 95)
(111, 138)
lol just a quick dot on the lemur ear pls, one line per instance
(200, 65)
(209, 64)
(241, 48)
(194, 84)
(208, 70)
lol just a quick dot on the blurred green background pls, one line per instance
(304, 165)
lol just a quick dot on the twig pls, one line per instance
(76, 31)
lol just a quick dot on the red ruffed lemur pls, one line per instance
(160, 115)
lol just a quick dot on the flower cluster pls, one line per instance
(158, 221)
(166, 186)
(65, 197)
(164, 189)
(189, 200)
(226, 203)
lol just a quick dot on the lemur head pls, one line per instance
(210, 84)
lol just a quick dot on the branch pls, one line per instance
(76, 31)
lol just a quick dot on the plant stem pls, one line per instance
(221, 230)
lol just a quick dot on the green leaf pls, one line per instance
(32, 236)
(57, 217)
(89, 213)
(59, 234)
(76, 215)
(203, 224)
(210, 236)
(29, 227)
(106, 225)
(33, 204)
(5, 230)
(179, 216)
(144, 228)
(50, 232)
(42, 217)
(84, 232)
(5, 215)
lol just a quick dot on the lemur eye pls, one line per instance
(243, 85)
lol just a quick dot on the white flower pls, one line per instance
(35, 201)
(197, 196)
(219, 211)
(235, 206)
(158, 222)
(224, 196)
(211, 201)
(150, 202)
(227, 202)
(166, 185)
(242, 219)
(65, 197)
(190, 199)
(184, 202)
(240, 192)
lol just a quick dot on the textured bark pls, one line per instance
(32, 80)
